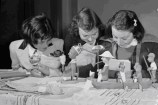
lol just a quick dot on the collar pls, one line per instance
(23, 45)
(31, 50)
(94, 43)
(133, 43)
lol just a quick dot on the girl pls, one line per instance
(86, 29)
(127, 33)
(33, 52)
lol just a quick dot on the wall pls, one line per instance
(42, 6)
(145, 9)
(8, 30)
(69, 9)
(59, 11)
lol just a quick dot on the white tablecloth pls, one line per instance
(86, 96)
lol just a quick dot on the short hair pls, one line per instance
(86, 19)
(126, 20)
(37, 27)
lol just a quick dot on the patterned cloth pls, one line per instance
(93, 97)
(90, 96)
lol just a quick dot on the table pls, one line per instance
(85, 96)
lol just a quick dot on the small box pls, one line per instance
(114, 64)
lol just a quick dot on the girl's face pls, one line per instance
(42, 45)
(121, 37)
(89, 36)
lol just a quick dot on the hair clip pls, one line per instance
(135, 22)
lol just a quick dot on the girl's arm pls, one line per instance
(48, 71)
(15, 64)
(44, 69)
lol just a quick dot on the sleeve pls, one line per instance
(13, 55)
(106, 44)
(51, 62)
(85, 58)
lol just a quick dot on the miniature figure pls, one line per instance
(153, 67)
(74, 51)
(35, 60)
(137, 76)
(103, 73)
(121, 74)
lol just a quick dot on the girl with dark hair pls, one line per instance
(126, 20)
(127, 41)
(33, 52)
(86, 29)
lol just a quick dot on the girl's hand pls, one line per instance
(73, 52)
(16, 67)
(97, 48)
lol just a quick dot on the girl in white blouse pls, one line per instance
(34, 52)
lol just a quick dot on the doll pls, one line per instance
(74, 51)
(153, 67)
(103, 73)
(137, 76)
(121, 73)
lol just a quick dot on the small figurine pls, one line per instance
(137, 76)
(153, 67)
(121, 74)
(103, 73)
(62, 61)
(35, 59)
(74, 51)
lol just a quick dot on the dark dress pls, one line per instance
(83, 70)
(149, 44)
